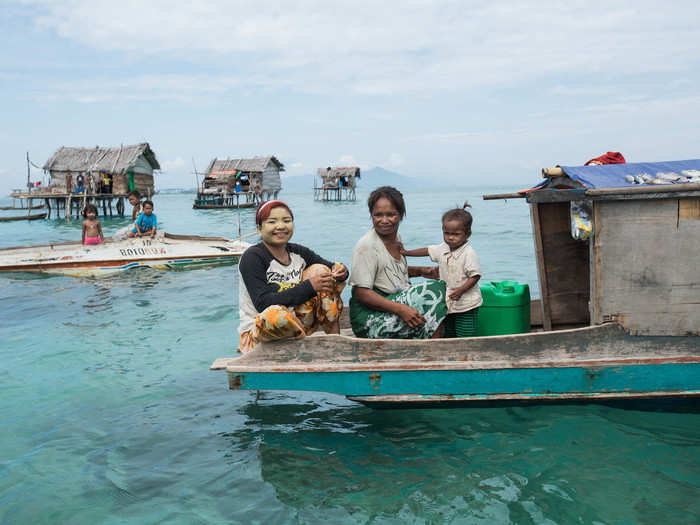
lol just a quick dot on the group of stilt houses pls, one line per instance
(336, 184)
(101, 176)
(104, 176)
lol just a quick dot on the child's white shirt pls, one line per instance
(455, 268)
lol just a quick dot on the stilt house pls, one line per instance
(259, 175)
(337, 183)
(113, 171)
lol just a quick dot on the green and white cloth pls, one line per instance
(428, 297)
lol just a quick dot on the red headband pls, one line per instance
(266, 208)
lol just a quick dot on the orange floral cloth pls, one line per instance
(281, 322)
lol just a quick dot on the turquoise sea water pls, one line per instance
(110, 415)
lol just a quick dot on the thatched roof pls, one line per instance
(255, 164)
(112, 160)
(349, 171)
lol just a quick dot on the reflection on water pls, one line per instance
(518, 465)
(144, 278)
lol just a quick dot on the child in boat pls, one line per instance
(146, 223)
(92, 230)
(135, 200)
(459, 268)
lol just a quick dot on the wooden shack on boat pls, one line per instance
(618, 319)
(336, 184)
(638, 264)
(99, 175)
(256, 177)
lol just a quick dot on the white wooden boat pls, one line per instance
(164, 251)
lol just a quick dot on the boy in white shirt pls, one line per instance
(459, 268)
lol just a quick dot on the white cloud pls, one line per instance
(389, 47)
(395, 160)
(169, 165)
(347, 160)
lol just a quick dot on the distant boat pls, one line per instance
(40, 207)
(165, 251)
(23, 217)
(214, 201)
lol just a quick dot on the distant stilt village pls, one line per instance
(104, 176)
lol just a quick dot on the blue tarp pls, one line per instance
(613, 175)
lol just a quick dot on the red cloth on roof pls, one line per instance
(611, 157)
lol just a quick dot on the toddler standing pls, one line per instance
(92, 230)
(459, 268)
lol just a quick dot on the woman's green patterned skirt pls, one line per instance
(428, 297)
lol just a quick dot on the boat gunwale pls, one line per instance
(266, 358)
(43, 267)
(111, 240)
(465, 365)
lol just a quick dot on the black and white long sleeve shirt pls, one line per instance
(265, 281)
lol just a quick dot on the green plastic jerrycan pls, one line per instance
(506, 308)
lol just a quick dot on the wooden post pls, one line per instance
(69, 207)
(48, 208)
(110, 206)
(541, 270)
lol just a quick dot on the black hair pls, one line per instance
(278, 204)
(147, 202)
(87, 208)
(459, 214)
(388, 192)
(134, 193)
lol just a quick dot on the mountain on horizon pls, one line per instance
(370, 179)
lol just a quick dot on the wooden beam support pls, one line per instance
(541, 272)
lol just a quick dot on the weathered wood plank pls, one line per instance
(593, 377)
(689, 209)
(545, 311)
(654, 192)
(647, 276)
(503, 196)
(608, 341)
(565, 266)
(379, 401)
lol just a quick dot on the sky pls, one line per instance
(462, 92)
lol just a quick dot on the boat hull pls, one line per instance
(224, 207)
(593, 364)
(165, 252)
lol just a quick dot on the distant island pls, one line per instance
(370, 178)
(168, 191)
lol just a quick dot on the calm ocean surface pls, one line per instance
(109, 413)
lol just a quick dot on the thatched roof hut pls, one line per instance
(336, 183)
(126, 167)
(335, 177)
(260, 175)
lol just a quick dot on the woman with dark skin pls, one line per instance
(384, 304)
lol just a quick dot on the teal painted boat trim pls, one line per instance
(679, 377)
